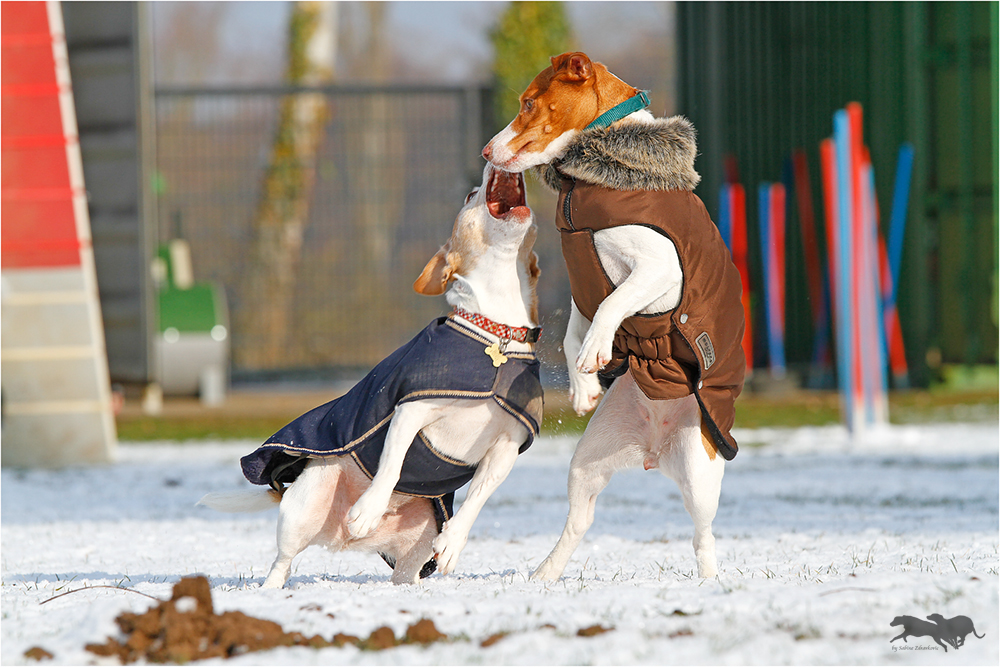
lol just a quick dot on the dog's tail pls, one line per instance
(252, 500)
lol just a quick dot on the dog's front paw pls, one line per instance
(447, 547)
(365, 516)
(595, 353)
(584, 391)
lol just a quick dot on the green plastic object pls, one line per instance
(189, 310)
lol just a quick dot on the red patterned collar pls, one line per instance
(502, 331)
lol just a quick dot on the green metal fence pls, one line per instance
(762, 79)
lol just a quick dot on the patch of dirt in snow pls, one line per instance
(38, 653)
(186, 628)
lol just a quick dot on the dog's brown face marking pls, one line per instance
(567, 95)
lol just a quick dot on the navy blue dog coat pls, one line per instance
(445, 360)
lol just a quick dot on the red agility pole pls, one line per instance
(738, 219)
(855, 143)
(807, 222)
(814, 269)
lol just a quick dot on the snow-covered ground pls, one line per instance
(821, 544)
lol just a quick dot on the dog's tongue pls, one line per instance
(519, 213)
(505, 192)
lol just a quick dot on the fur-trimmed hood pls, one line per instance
(630, 155)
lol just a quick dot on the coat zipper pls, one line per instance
(566, 208)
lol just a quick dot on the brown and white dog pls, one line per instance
(492, 272)
(662, 262)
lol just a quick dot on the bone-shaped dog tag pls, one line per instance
(496, 355)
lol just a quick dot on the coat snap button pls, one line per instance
(700, 384)
(684, 318)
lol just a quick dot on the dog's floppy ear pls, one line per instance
(433, 280)
(577, 66)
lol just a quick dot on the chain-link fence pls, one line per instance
(389, 170)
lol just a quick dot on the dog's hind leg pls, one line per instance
(702, 503)
(304, 510)
(585, 484)
(606, 447)
(694, 464)
(697, 469)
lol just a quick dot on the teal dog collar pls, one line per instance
(616, 113)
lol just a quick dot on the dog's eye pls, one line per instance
(529, 104)
(471, 195)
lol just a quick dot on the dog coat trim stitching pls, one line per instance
(425, 473)
(619, 111)
(458, 326)
(411, 494)
(444, 457)
(444, 393)
(518, 416)
(369, 433)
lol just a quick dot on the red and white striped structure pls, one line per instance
(56, 391)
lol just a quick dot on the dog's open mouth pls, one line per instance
(504, 193)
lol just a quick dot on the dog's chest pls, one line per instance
(621, 249)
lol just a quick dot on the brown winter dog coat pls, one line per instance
(638, 173)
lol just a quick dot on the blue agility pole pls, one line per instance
(897, 220)
(725, 222)
(831, 215)
(763, 216)
(845, 315)
(894, 252)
